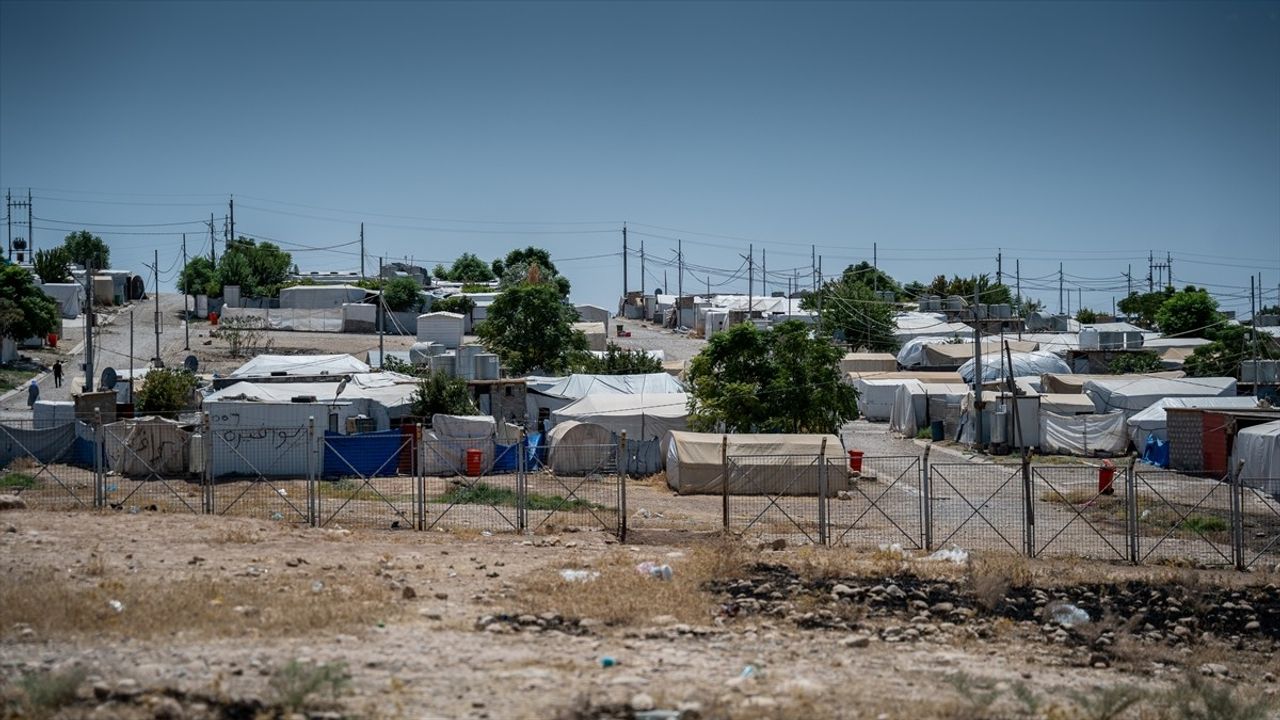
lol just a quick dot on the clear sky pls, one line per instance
(1083, 133)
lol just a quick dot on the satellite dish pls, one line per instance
(191, 364)
(109, 379)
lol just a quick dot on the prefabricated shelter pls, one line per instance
(769, 464)
(597, 339)
(593, 314)
(876, 391)
(1155, 420)
(445, 328)
(579, 448)
(868, 362)
(49, 414)
(318, 297)
(1131, 395)
(916, 404)
(268, 365)
(1258, 448)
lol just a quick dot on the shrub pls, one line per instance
(165, 390)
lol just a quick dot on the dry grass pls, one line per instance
(990, 577)
(622, 596)
(57, 606)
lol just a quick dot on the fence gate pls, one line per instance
(50, 468)
(455, 495)
(977, 506)
(148, 468)
(881, 503)
(577, 486)
(1259, 507)
(1073, 517)
(1183, 515)
(262, 472)
(363, 481)
(776, 497)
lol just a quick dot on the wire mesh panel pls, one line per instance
(49, 468)
(148, 468)
(362, 483)
(461, 490)
(1182, 516)
(262, 473)
(578, 486)
(877, 503)
(977, 507)
(777, 497)
(1073, 516)
(1260, 522)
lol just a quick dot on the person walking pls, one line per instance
(57, 374)
(33, 394)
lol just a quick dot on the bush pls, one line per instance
(1139, 362)
(438, 392)
(618, 360)
(460, 304)
(401, 294)
(165, 390)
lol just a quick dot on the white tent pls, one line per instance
(1153, 420)
(315, 297)
(266, 365)
(1131, 394)
(1030, 363)
(392, 391)
(916, 324)
(552, 393)
(67, 295)
(1258, 447)
(772, 464)
(445, 446)
(578, 448)
(1069, 383)
(911, 404)
(1083, 435)
(642, 417)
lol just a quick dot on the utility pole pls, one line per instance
(88, 328)
(232, 205)
(1128, 280)
(764, 272)
(186, 313)
(875, 268)
(131, 364)
(156, 269)
(751, 288)
(1017, 268)
(977, 373)
(29, 249)
(999, 266)
(380, 315)
(642, 276)
(213, 253)
(1079, 299)
(1059, 288)
(624, 260)
(813, 265)
(362, 253)
(1168, 263)
(666, 286)
(680, 275)
(1253, 337)
(1151, 259)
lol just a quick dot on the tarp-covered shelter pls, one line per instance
(1154, 419)
(1131, 395)
(547, 394)
(996, 367)
(68, 297)
(315, 297)
(146, 446)
(910, 325)
(579, 448)
(392, 391)
(445, 445)
(642, 417)
(1083, 435)
(267, 365)
(957, 354)
(876, 391)
(695, 465)
(912, 403)
(1069, 383)
(1066, 404)
(1258, 447)
(868, 362)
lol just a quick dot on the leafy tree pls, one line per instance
(1269, 310)
(88, 249)
(874, 278)
(777, 380)
(401, 294)
(460, 304)
(530, 327)
(1025, 307)
(1136, 362)
(260, 269)
(52, 265)
(989, 292)
(1232, 344)
(1189, 312)
(235, 269)
(1141, 308)
(439, 392)
(199, 277)
(1085, 316)
(618, 360)
(466, 269)
(165, 390)
(851, 309)
(517, 267)
(25, 311)
(915, 290)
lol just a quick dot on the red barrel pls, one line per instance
(855, 460)
(52, 339)
(213, 318)
(475, 462)
(1106, 477)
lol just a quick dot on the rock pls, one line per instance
(777, 545)
(641, 702)
(841, 590)
(942, 608)
(760, 702)
(895, 592)
(803, 686)
(101, 690)
(442, 596)
(12, 502)
(664, 620)
(589, 623)
(1214, 669)
(127, 687)
(856, 641)
(166, 708)
(1252, 625)
(408, 593)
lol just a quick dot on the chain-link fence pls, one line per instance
(1075, 514)
(264, 473)
(51, 468)
(1259, 527)
(148, 467)
(977, 507)
(1183, 517)
(777, 497)
(881, 502)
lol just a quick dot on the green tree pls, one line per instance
(460, 304)
(1141, 308)
(88, 250)
(165, 391)
(466, 269)
(517, 264)
(531, 328)
(1085, 316)
(618, 360)
(1231, 345)
(1190, 312)
(25, 311)
(258, 268)
(199, 277)
(439, 392)
(235, 269)
(778, 380)
(989, 293)
(1134, 362)
(874, 278)
(850, 309)
(402, 294)
(52, 265)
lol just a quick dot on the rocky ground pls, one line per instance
(165, 616)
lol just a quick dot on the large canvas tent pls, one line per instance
(1063, 383)
(578, 448)
(266, 365)
(391, 391)
(695, 464)
(1154, 419)
(548, 394)
(1083, 435)
(1131, 395)
(876, 391)
(1023, 364)
(911, 404)
(642, 417)
(1258, 447)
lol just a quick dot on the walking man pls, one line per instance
(33, 394)
(57, 374)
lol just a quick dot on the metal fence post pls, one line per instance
(724, 482)
(313, 471)
(522, 468)
(1131, 508)
(99, 436)
(206, 469)
(926, 501)
(1028, 506)
(822, 494)
(622, 487)
(1237, 515)
(419, 479)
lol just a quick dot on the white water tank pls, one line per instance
(1090, 339)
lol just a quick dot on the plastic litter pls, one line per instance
(317, 586)
(1068, 615)
(957, 555)
(281, 492)
(748, 671)
(893, 549)
(607, 662)
(116, 605)
(277, 516)
(658, 715)
(579, 575)
(654, 570)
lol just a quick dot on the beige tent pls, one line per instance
(145, 446)
(940, 378)
(868, 362)
(1065, 383)
(767, 464)
(957, 354)
(579, 448)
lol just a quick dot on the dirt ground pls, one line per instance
(159, 615)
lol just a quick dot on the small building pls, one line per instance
(444, 328)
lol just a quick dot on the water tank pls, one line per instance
(1039, 321)
(981, 311)
(446, 364)
(466, 364)
(935, 303)
(1110, 340)
(420, 353)
(1000, 426)
(487, 366)
(955, 302)
(1002, 311)
(1090, 339)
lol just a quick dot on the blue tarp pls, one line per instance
(506, 458)
(366, 454)
(1157, 452)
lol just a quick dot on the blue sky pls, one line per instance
(1085, 133)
